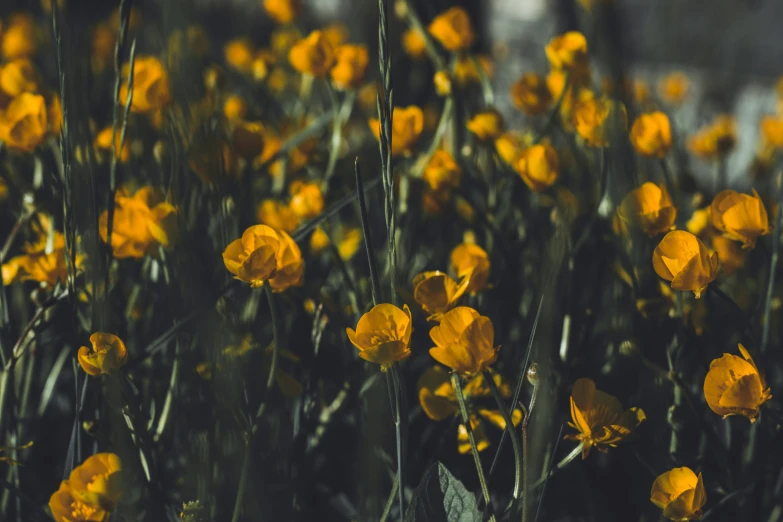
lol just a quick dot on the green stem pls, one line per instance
(270, 381)
(400, 414)
(390, 500)
(509, 430)
(550, 122)
(560, 465)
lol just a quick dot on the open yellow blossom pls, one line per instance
(740, 217)
(651, 134)
(277, 215)
(650, 208)
(141, 224)
(67, 507)
(442, 172)
(313, 55)
(684, 260)
(290, 266)
(23, 123)
(680, 494)
(453, 29)
(486, 125)
(594, 119)
(282, 11)
(437, 293)
(469, 259)
(734, 386)
(264, 254)
(18, 76)
(351, 66)
(538, 166)
(108, 354)
(464, 341)
(97, 480)
(383, 335)
(568, 52)
(530, 94)
(151, 89)
(673, 88)
(600, 419)
(307, 201)
(407, 124)
(19, 39)
(414, 45)
(715, 139)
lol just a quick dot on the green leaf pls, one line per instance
(440, 497)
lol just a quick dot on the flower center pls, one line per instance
(82, 511)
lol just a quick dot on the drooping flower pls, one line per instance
(740, 217)
(442, 172)
(486, 125)
(734, 386)
(680, 494)
(684, 260)
(538, 166)
(141, 224)
(594, 119)
(464, 341)
(313, 55)
(282, 11)
(600, 419)
(650, 208)
(453, 29)
(23, 123)
(407, 124)
(651, 134)
(108, 354)
(714, 140)
(351, 66)
(530, 94)
(673, 88)
(383, 335)
(569, 53)
(470, 260)
(437, 293)
(264, 254)
(151, 89)
(307, 201)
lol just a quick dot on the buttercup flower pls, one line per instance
(67, 507)
(265, 254)
(464, 341)
(651, 134)
(731, 255)
(103, 144)
(277, 215)
(470, 260)
(568, 52)
(771, 128)
(151, 90)
(577, 92)
(593, 119)
(442, 82)
(673, 88)
(234, 108)
(453, 29)
(383, 335)
(97, 481)
(509, 147)
(650, 207)
(282, 11)
(679, 493)
(538, 166)
(414, 45)
(407, 124)
(600, 418)
(142, 222)
(486, 125)
(239, 54)
(23, 123)
(442, 172)
(313, 55)
(337, 34)
(465, 70)
(734, 386)
(530, 94)
(684, 260)
(740, 217)
(108, 353)
(437, 293)
(699, 221)
(19, 38)
(351, 66)
(716, 139)
(18, 76)
(307, 201)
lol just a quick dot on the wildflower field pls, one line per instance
(270, 260)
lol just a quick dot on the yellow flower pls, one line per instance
(740, 217)
(577, 92)
(465, 70)
(699, 221)
(351, 66)
(248, 138)
(464, 341)
(383, 335)
(239, 53)
(442, 82)
(307, 201)
(103, 143)
(313, 55)
(442, 172)
(265, 254)
(470, 260)
(684, 260)
(407, 124)
(23, 123)
(437, 293)
(771, 128)
(413, 44)
(650, 207)
(673, 88)
(453, 29)
(141, 223)
(594, 120)
(277, 215)
(486, 125)
(509, 147)
(235, 108)
(282, 11)
(680, 494)
(538, 166)
(18, 76)
(734, 386)
(19, 39)
(651, 134)
(151, 90)
(568, 52)
(97, 481)
(108, 354)
(337, 34)
(715, 139)
(599, 418)
(67, 507)
(530, 94)
(731, 256)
